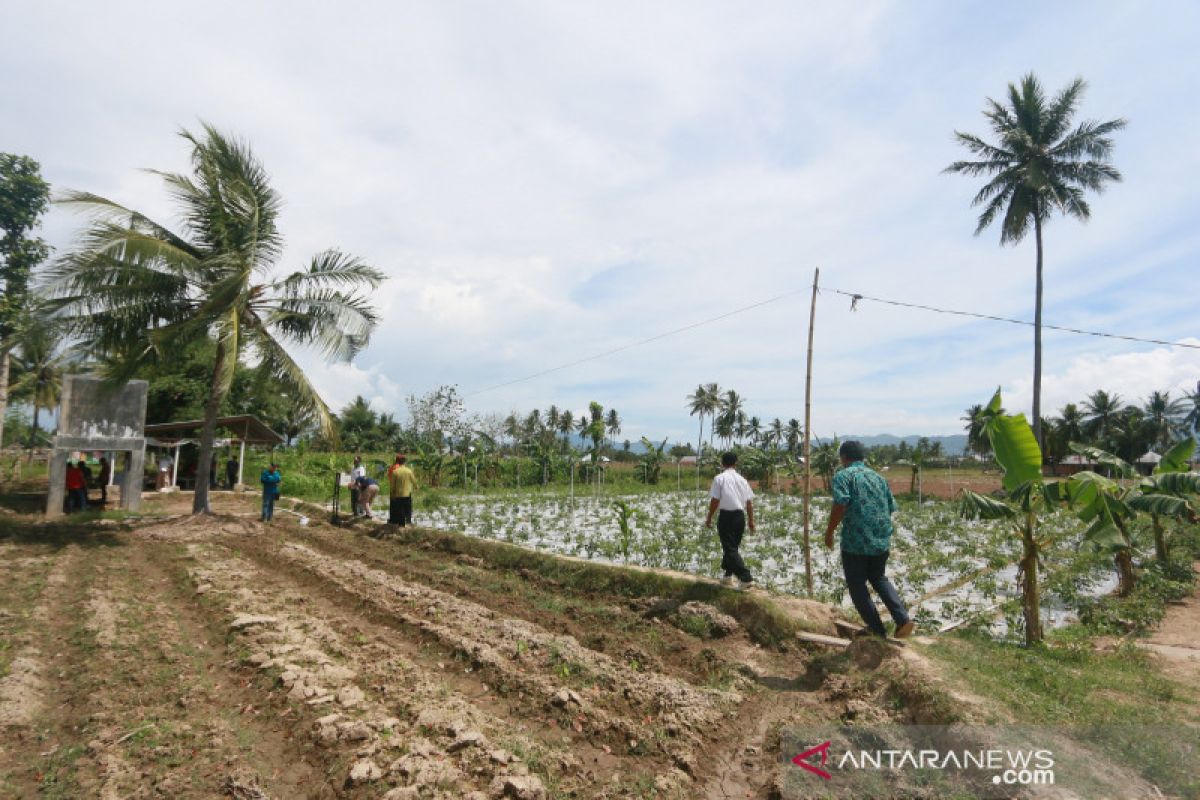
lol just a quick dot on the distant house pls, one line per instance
(687, 461)
(1072, 464)
(1148, 462)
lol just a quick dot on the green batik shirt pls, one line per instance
(867, 526)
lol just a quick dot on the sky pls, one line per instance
(543, 181)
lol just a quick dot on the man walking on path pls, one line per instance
(731, 494)
(270, 482)
(863, 505)
(402, 483)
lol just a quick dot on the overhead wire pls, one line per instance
(855, 298)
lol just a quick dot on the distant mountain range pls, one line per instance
(954, 445)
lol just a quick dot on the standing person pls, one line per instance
(105, 477)
(76, 487)
(164, 472)
(357, 471)
(368, 490)
(863, 505)
(271, 479)
(402, 482)
(231, 471)
(731, 494)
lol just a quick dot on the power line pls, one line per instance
(640, 342)
(855, 297)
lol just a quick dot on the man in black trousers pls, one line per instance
(732, 496)
(863, 505)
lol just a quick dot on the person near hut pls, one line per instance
(231, 472)
(271, 480)
(402, 482)
(104, 478)
(76, 485)
(863, 505)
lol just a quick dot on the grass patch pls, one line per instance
(1115, 700)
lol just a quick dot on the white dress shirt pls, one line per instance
(732, 490)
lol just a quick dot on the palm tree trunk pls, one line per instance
(1037, 336)
(5, 359)
(1030, 596)
(208, 432)
(32, 434)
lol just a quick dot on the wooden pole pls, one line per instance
(812, 313)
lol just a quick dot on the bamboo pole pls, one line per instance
(812, 313)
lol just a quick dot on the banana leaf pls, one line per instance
(1177, 458)
(973, 505)
(1104, 458)
(1016, 450)
(1161, 504)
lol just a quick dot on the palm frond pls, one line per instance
(331, 268)
(275, 361)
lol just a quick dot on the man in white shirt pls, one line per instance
(732, 496)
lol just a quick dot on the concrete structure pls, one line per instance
(94, 415)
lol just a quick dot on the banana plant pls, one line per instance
(650, 464)
(1028, 495)
(1168, 492)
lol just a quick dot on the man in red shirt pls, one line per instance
(76, 488)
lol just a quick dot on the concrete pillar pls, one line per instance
(58, 482)
(242, 463)
(175, 468)
(131, 487)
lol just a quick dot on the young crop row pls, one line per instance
(966, 567)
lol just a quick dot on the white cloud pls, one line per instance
(1131, 375)
(544, 181)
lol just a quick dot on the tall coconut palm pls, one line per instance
(1191, 416)
(1039, 164)
(135, 289)
(566, 424)
(698, 407)
(1164, 417)
(1100, 413)
(612, 424)
(793, 435)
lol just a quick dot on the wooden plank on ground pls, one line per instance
(818, 638)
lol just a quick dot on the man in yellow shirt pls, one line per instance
(402, 482)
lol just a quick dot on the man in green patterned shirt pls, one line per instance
(863, 505)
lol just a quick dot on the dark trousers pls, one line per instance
(76, 500)
(400, 511)
(861, 570)
(268, 507)
(731, 525)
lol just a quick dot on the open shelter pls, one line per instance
(243, 429)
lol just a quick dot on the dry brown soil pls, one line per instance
(198, 657)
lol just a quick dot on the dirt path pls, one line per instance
(1177, 639)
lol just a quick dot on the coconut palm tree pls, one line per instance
(1191, 417)
(612, 424)
(135, 289)
(793, 435)
(976, 419)
(566, 424)
(1163, 418)
(41, 361)
(1039, 164)
(1100, 412)
(698, 407)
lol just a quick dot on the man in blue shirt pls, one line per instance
(270, 482)
(863, 505)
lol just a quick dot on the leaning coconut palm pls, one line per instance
(1039, 164)
(135, 290)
